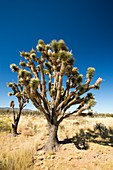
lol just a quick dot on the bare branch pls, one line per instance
(43, 93)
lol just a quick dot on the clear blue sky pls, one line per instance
(85, 25)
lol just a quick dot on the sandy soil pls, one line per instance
(98, 155)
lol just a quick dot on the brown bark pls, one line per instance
(16, 121)
(14, 128)
(52, 143)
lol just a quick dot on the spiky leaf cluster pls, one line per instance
(54, 45)
(33, 54)
(19, 92)
(90, 72)
(24, 76)
(10, 84)
(79, 78)
(34, 82)
(10, 94)
(58, 45)
(52, 92)
(23, 64)
(24, 54)
(40, 46)
(62, 45)
(76, 78)
(14, 67)
(92, 103)
(99, 80)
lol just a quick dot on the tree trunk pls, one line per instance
(14, 128)
(16, 121)
(52, 143)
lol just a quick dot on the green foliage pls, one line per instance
(92, 103)
(75, 71)
(32, 51)
(54, 45)
(79, 78)
(47, 47)
(90, 100)
(65, 56)
(58, 45)
(41, 42)
(62, 45)
(52, 92)
(23, 64)
(24, 74)
(41, 45)
(33, 54)
(25, 54)
(34, 83)
(10, 94)
(70, 59)
(90, 72)
(14, 67)
(10, 84)
(68, 70)
(90, 95)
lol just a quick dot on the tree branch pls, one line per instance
(43, 82)
(62, 70)
(78, 112)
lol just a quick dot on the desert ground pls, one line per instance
(24, 151)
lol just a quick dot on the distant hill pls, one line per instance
(5, 108)
(8, 108)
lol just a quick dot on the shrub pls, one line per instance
(4, 126)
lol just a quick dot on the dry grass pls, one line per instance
(17, 153)
(5, 124)
(20, 153)
(19, 159)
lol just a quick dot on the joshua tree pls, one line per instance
(22, 100)
(53, 84)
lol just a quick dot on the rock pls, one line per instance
(70, 158)
(95, 156)
(50, 157)
(37, 164)
(64, 148)
(41, 152)
(53, 157)
(41, 158)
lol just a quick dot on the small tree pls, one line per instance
(22, 98)
(54, 85)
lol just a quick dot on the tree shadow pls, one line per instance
(100, 135)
